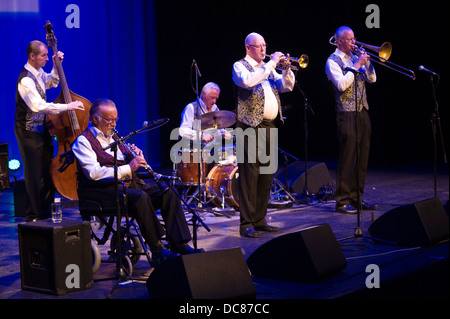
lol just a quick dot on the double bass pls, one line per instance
(65, 127)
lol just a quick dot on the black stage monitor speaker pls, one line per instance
(55, 258)
(318, 175)
(412, 225)
(309, 255)
(211, 275)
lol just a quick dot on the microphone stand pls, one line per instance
(307, 107)
(120, 271)
(436, 122)
(357, 230)
(199, 157)
(198, 138)
(358, 233)
(167, 186)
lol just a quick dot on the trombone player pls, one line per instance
(342, 67)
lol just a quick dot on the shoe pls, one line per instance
(346, 209)
(184, 249)
(160, 254)
(250, 233)
(367, 206)
(267, 228)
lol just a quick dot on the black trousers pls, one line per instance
(254, 187)
(353, 158)
(36, 150)
(143, 199)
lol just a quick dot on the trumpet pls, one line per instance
(383, 54)
(302, 62)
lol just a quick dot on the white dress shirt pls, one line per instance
(29, 93)
(188, 116)
(87, 158)
(246, 79)
(341, 81)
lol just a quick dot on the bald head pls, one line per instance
(255, 45)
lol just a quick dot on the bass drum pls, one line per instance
(223, 179)
(188, 167)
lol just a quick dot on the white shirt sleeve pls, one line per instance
(29, 93)
(87, 159)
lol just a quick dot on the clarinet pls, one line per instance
(157, 177)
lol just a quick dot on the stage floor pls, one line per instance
(405, 272)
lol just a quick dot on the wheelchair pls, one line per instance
(132, 246)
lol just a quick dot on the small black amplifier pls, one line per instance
(55, 258)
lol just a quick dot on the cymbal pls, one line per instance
(217, 119)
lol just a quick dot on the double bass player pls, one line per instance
(33, 138)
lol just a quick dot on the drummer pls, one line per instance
(207, 103)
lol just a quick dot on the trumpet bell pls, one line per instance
(303, 61)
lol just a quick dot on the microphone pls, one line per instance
(196, 67)
(147, 124)
(354, 71)
(166, 177)
(424, 69)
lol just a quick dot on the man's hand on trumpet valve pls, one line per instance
(278, 57)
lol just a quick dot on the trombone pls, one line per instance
(302, 62)
(383, 54)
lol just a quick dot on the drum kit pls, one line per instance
(211, 178)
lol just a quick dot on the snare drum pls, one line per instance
(223, 179)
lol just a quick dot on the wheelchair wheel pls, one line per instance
(96, 257)
(131, 247)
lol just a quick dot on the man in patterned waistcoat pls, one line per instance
(33, 138)
(341, 68)
(258, 104)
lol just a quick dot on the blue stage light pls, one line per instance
(14, 165)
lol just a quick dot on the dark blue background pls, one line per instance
(139, 54)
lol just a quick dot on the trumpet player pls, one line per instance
(341, 68)
(258, 104)
(96, 179)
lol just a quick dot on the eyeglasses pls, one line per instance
(264, 46)
(109, 120)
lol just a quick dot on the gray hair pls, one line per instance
(210, 86)
(340, 32)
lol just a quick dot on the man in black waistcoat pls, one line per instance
(33, 138)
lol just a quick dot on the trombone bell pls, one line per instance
(384, 51)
